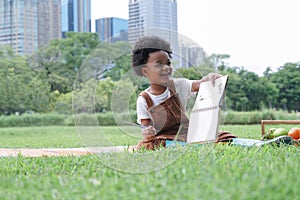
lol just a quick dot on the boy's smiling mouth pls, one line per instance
(167, 75)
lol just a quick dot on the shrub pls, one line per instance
(111, 119)
(54, 119)
(255, 117)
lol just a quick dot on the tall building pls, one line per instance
(191, 55)
(153, 17)
(18, 25)
(48, 21)
(26, 24)
(159, 17)
(75, 16)
(112, 29)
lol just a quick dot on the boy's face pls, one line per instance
(158, 68)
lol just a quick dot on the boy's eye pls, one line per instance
(159, 65)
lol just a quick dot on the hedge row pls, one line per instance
(255, 117)
(110, 119)
(103, 119)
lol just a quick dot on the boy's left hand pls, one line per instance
(211, 77)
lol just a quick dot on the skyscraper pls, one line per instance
(26, 24)
(159, 17)
(48, 21)
(112, 29)
(191, 54)
(18, 25)
(153, 17)
(75, 16)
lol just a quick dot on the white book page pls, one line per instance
(204, 117)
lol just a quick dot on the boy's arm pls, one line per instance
(146, 122)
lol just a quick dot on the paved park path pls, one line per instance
(47, 152)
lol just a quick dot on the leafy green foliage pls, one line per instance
(72, 67)
(191, 73)
(287, 80)
(216, 61)
(124, 97)
(122, 64)
(103, 95)
(128, 114)
(247, 91)
(62, 58)
(21, 88)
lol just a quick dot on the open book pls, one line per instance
(205, 115)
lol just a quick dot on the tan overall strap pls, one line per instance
(148, 99)
(171, 86)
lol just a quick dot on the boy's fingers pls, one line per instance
(213, 76)
(148, 132)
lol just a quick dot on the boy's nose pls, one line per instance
(166, 68)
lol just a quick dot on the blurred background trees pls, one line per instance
(45, 81)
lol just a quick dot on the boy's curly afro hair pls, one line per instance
(143, 47)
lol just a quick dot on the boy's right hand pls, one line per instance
(149, 133)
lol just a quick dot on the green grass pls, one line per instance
(66, 136)
(69, 136)
(204, 172)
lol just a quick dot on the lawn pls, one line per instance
(69, 136)
(202, 172)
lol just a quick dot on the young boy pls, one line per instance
(162, 106)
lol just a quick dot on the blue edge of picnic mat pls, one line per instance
(245, 142)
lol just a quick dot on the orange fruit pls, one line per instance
(294, 133)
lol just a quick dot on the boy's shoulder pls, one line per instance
(180, 81)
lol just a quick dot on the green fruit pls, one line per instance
(269, 134)
(280, 132)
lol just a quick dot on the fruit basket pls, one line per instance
(263, 122)
(294, 132)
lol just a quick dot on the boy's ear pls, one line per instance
(145, 71)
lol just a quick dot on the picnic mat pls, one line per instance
(47, 152)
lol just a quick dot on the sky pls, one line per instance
(255, 33)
